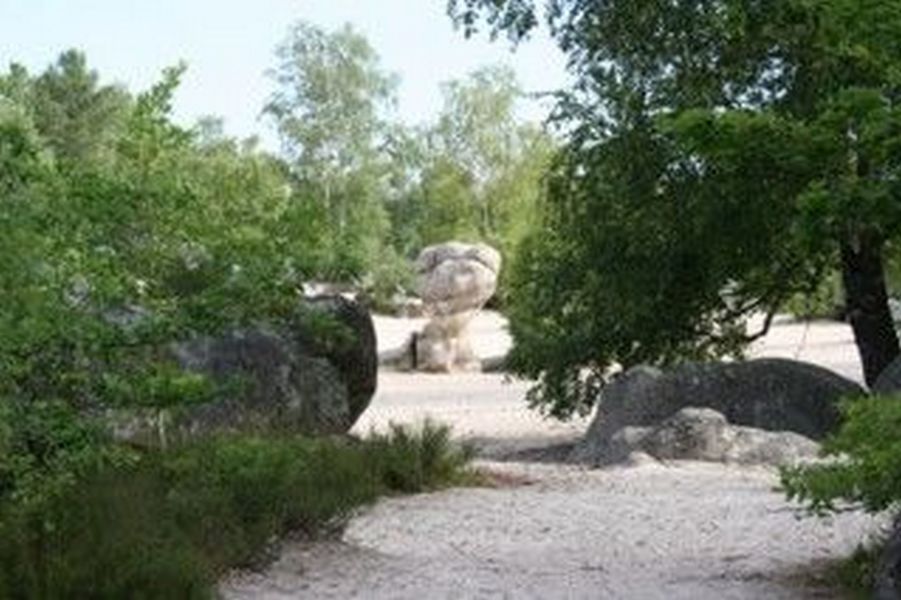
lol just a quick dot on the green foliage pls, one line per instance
(329, 111)
(112, 535)
(122, 232)
(170, 524)
(45, 447)
(721, 157)
(392, 275)
(381, 191)
(857, 574)
(823, 302)
(411, 460)
(862, 470)
(866, 471)
(484, 180)
(79, 119)
(477, 172)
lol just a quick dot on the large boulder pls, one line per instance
(770, 394)
(311, 377)
(455, 282)
(704, 434)
(356, 358)
(888, 570)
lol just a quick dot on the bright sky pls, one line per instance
(229, 44)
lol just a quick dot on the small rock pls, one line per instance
(691, 434)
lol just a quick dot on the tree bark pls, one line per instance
(867, 306)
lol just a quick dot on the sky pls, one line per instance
(229, 45)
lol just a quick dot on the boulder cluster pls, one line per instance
(759, 411)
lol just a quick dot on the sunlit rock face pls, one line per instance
(455, 282)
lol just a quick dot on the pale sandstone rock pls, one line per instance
(455, 282)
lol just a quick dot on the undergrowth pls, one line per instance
(170, 524)
(864, 473)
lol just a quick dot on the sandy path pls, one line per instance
(691, 531)
(684, 530)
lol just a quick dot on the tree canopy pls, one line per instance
(722, 155)
(330, 111)
(479, 168)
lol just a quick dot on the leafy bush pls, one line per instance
(169, 524)
(826, 301)
(112, 535)
(867, 469)
(120, 237)
(865, 473)
(392, 275)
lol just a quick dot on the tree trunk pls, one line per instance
(867, 306)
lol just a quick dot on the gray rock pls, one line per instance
(690, 434)
(888, 570)
(432, 256)
(704, 434)
(356, 360)
(629, 440)
(292, 379)
(760, 447)
(769, 394)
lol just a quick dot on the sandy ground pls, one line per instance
(682, 530)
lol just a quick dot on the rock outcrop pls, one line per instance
(767, 394)
(307, 378)
(455, 282)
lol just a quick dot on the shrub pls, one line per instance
(867, 472)
(168, 525)
(412, 461)
(112, 535)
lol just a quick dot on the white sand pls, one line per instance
(684, 530)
